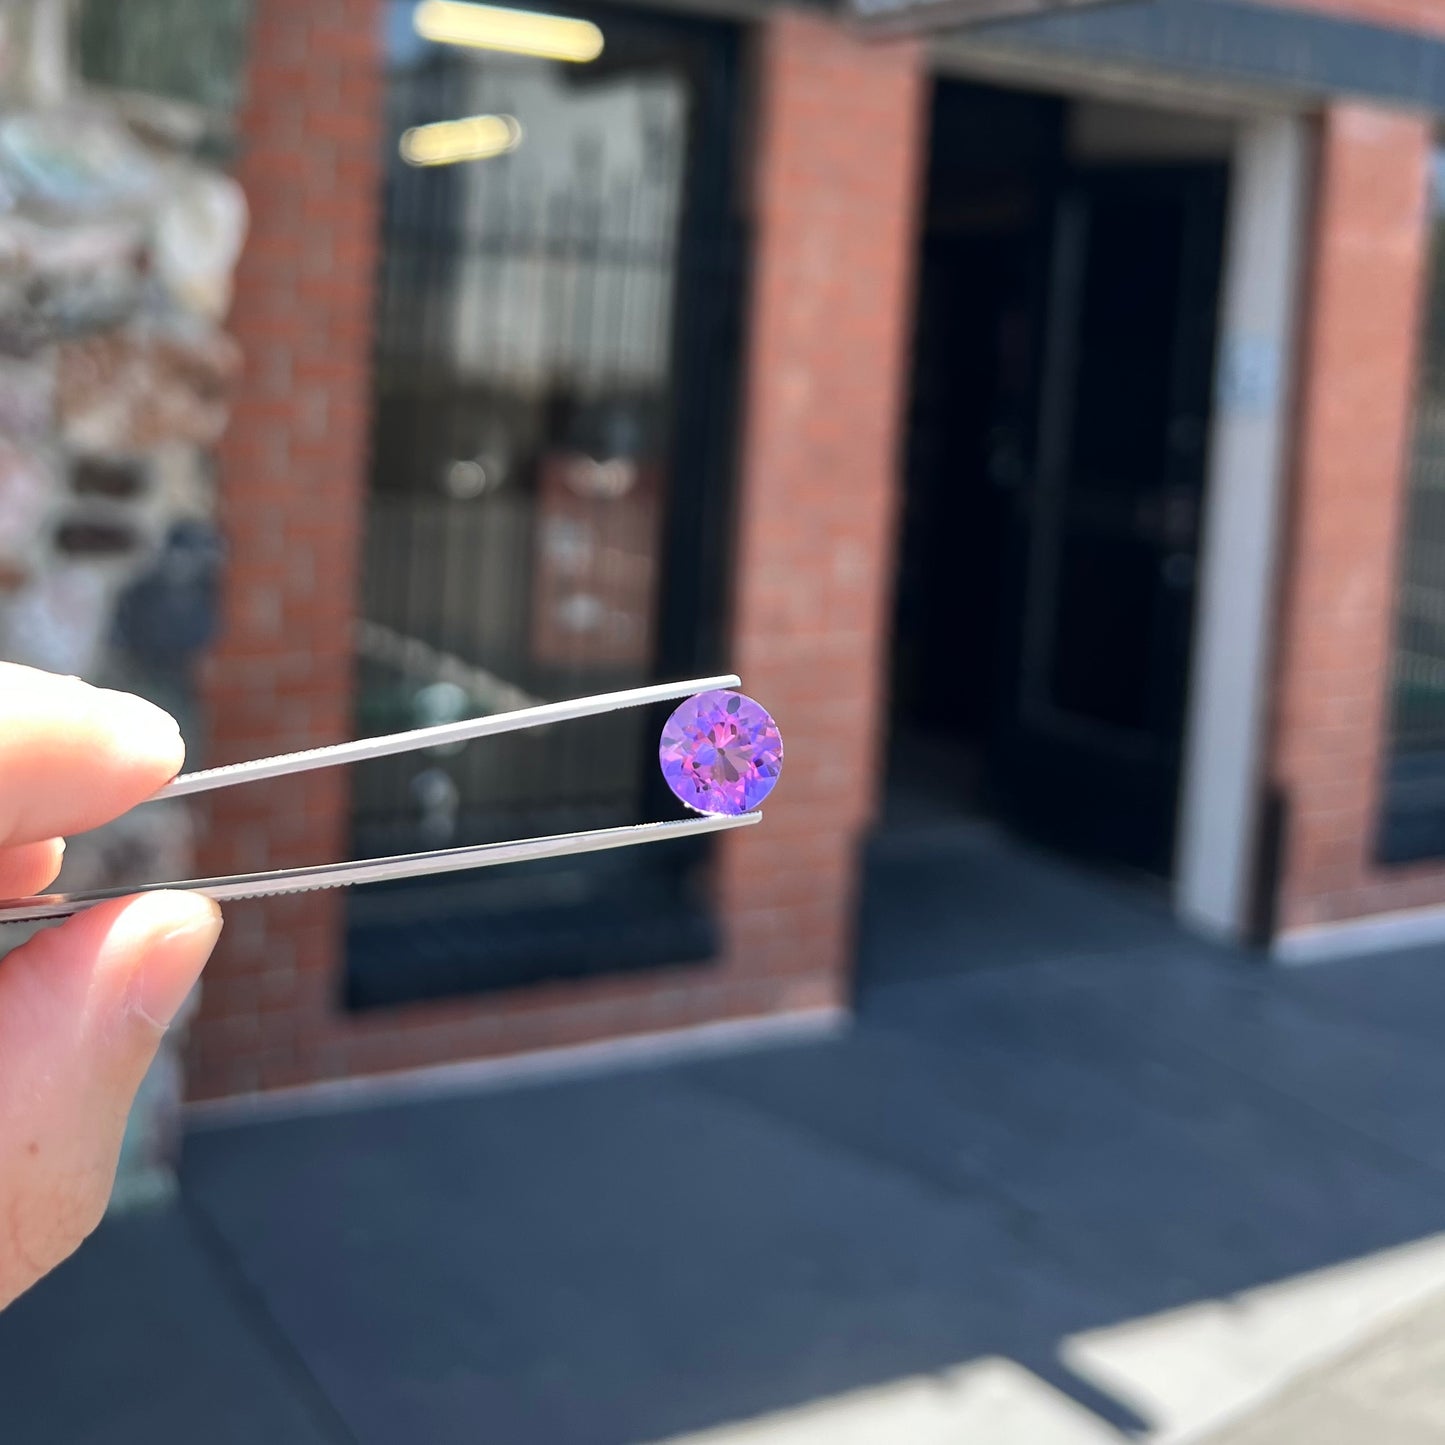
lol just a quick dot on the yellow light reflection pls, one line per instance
(518, 32)
(471, 138)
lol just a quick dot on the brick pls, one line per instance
(818, 478)
(837, 147)
(1336, 632)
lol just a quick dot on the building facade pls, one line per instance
(1038, 416)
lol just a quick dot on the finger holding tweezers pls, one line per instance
(50, 906)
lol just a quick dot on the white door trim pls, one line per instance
(1248, 454)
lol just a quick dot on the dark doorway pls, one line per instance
(1065, 352)
(993, 162)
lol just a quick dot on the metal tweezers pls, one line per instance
(405, 865)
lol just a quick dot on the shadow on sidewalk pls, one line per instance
(1055, 1113)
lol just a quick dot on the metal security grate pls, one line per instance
(553, 382)
(1413, 821)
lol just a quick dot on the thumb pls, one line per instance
(83, 1008)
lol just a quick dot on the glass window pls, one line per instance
(551, 396)
(1413, 823)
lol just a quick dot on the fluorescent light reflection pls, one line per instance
(517, 32)
(470, 138)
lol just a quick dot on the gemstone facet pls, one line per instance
(721, 753)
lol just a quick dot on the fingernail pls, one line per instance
(173, 963)
(140, 727)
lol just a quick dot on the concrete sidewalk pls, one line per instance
(1072, 1178)
(1389, 1389)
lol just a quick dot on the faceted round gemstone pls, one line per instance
(721, 753)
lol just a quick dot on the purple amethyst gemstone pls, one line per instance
(721, 753)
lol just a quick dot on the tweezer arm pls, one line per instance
(405, 865)
(414, 740)
(380, 870)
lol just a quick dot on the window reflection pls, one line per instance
(527, 389)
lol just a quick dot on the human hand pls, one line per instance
(83, 1006)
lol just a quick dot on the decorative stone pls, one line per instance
(144, 386)
(721, 753)
(117, 244)
(28, 490)
(73, 163)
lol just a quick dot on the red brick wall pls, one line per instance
(837, 144)
(835, 192)
(291, 471)
(1426, 15)
(1336, 633)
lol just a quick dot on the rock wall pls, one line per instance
(117, 245)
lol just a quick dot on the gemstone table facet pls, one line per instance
(721, 753)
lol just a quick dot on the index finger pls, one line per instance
(73, 756)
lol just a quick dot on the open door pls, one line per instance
(1087, 747)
